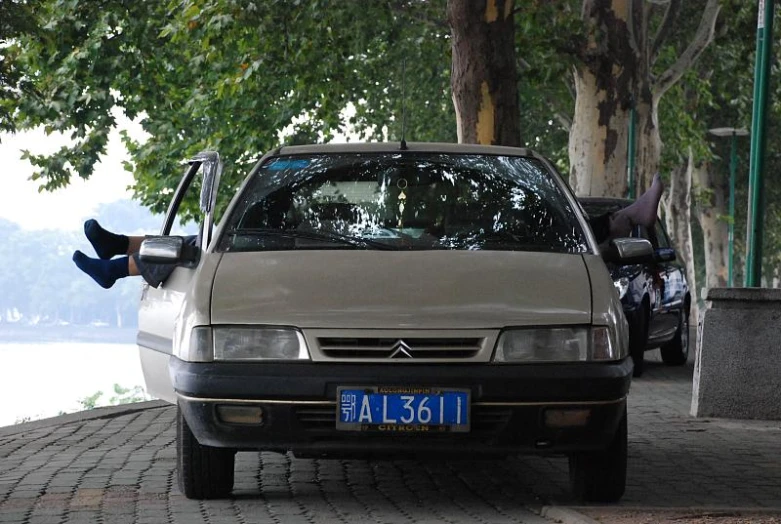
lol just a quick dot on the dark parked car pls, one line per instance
(655, 295)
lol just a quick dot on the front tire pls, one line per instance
(600, 476)
(205, 472)
(676, 352)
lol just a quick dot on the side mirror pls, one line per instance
(664, 254)
(167, 250)
(626, 251)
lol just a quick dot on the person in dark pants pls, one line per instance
(106, 270)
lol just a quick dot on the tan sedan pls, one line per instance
(391, 299)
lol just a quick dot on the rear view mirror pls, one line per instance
(167, 250)
(626, 251)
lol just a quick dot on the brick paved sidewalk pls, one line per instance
(121, 469)
(684, 469)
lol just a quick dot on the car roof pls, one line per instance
(395, 147)
(605, 201)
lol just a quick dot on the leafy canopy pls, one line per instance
(228, 75)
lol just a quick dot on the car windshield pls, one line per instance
(402, 202)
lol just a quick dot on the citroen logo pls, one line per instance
(401, 350)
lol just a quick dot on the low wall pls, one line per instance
(737, 373)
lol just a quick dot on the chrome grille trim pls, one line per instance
(483, 418)
(401, 346)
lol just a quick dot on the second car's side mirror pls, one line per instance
(664, 254)
(167, 250)
(625, 251)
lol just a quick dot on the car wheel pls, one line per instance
(600, 476)
(205, 472)
(676, 352)
(638, 338)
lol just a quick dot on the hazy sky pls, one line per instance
(65, 208)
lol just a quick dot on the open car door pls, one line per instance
(159, 307)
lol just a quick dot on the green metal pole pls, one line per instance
(756, 168)
(630, 151)
(733, 167)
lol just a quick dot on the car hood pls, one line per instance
(401, 289)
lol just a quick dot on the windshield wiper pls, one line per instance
(323, 236)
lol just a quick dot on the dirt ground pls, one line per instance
(661, 516)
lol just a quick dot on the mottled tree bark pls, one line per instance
(677, 206)
(615, 70)
(484, 75)
(712, 208)
(605, 83)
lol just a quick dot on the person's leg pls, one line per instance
(105, 272)
(153, 274)
(134, 245)
(642, 211)
(108, 244)
(132, 268)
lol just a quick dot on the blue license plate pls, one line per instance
(402, 409)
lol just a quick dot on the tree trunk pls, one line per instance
(605, 83)
(648, 144)
(597, 140)
(484, 73)
(712, 202)
(677, 206)
(615, 70)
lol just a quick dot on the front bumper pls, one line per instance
(298, 401)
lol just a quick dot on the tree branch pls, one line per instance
(701, 40)
(630, 24)
(564, 120)
(570, 87)
(670, 14)
(402, 7)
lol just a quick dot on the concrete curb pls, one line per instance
(571, 515)
(684, 509)
(81, 416)
(565, 515)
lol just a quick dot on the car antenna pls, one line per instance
(403, 145)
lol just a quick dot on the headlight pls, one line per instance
(622, 286)
(562, 344)
(201, 345)
(604, 345)
(268, 343)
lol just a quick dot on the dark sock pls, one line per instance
(104, 272)
(106, 243)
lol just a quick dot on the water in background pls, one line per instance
(43, 379)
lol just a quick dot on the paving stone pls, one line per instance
(122, 471)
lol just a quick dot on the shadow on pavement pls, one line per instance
(121, 469)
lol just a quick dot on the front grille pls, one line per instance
(317, 417)
(485, 419)
(346, 348)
